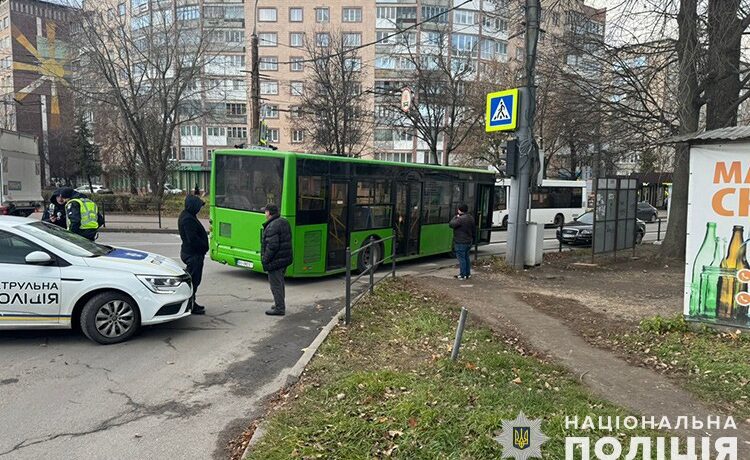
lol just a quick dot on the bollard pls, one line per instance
(348, 305)
(559, 240)
(393, 257)
(459, 333)
(658, 230)
(372, 265)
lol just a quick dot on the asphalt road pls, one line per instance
(179, 390)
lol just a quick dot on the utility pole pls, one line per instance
(528, 150)
(255, 83)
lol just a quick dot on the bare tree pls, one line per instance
(335, 107)
(148, 69)
(440, 73)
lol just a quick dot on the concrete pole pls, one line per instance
(254, 138)
(528, 150)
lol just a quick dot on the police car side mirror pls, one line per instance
(38, 258)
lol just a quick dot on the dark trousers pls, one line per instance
(276, 280)
(194, 268)
(464, 260)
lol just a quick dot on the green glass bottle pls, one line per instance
(710, 281)
(704, 258)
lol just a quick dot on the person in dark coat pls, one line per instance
(82, 213)
(54, 212)
(464, 232)
(194, 244)
(276, 255)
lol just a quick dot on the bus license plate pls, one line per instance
(245, 263)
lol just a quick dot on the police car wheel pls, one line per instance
(110, 317)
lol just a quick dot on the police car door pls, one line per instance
(30, 290)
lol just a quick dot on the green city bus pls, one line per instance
(337, 202)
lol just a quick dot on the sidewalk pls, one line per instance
(606, 374)
(133, 223)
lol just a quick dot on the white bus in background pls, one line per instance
(555, 202)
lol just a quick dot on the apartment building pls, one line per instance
(285, 29)
(35, 54)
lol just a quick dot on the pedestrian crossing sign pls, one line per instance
(502, 111)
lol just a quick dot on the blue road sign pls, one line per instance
(502, 111)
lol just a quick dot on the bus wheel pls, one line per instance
(559, 220)
(363, 261)
(505, 222)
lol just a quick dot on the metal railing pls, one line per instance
(369, 272)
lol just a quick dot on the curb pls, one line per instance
(139, 230)
(295, 373)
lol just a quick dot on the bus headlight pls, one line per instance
(161, 284)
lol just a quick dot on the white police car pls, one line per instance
(51, 278)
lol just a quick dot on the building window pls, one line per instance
(296, 39)
(190, 130)
(435, 14)
(121, 9)
(353, 64)
(297, 88)
(298, 136)
(234, 109)
(269, 63)
(267, 15)
(213, 12)
(297, 64)
(464, 17)
(272, 135)
(188, 13)
(352, 39)
(191, 153)
(268, 39)
(236, 132)
(386, 37)
(216, 131)
(234, 36)
(296, 15)
(386, 12)
(269, 88)
(465, 44)
(234, 12)
(295, 112)
(351, 15)
(322, 39)
(322, 15)
(269, 111)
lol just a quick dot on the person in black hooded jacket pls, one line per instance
(194, 244)
(54, 212)
(276, 255)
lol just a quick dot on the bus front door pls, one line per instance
(484, 212)
(338, 225)
(408, 217)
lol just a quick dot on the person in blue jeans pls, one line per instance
(464, 232)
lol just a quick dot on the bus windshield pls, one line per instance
(248, 183)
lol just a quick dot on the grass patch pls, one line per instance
(714, 365)
(385, 387)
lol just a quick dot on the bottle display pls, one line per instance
(704, 258)
(728, 285)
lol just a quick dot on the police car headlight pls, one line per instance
(161, 284)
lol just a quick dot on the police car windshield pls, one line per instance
(68, 242)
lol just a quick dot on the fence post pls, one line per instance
(372, 264)
(459, 333)
(559, 240)
(658, 230)
(348, 316)
(393, 257)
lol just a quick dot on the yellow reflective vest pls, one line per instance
(89, 213)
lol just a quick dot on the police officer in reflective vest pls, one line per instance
(82, 213)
